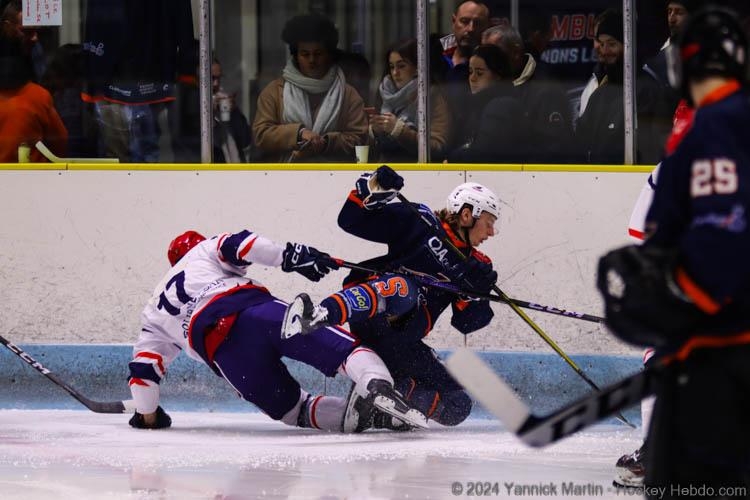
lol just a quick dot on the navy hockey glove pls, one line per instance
(309, 262)
(644, 304)
(163, 420)
(378, 188)
(476, 275)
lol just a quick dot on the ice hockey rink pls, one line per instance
(76, 454)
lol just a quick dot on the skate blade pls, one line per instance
(290, 328)
(622, 480)
(412, 417)
(291, 325)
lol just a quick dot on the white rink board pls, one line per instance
(80, 251)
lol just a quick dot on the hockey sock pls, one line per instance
(356, 303)
(362, 366)
(323, 412)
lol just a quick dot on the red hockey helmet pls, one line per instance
(182, 245)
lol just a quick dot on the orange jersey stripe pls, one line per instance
(703, 300)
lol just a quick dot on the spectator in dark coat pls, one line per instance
(600, 132)
(494, 132)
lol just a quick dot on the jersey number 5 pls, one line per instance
(178, 280)
(713, 177)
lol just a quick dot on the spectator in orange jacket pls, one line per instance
(27, 113)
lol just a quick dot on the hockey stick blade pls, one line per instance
(499, 399)
(95, 406)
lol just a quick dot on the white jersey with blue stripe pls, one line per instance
(213, 268)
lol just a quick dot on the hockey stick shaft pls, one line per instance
(500, 399)
(450, 287)
(513, 306)
(95, 406)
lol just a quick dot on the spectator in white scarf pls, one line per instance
(310, 113)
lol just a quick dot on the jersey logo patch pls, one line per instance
(734, 222)
(358, 299)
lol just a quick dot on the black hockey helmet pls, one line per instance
(713, 42)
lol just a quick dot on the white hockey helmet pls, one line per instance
(475, 195)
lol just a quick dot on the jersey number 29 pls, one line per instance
(713, 177)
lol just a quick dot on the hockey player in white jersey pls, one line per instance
(206, 307)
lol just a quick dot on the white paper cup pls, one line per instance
(225, 109)
(361, 152)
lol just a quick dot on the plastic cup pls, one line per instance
(362, 153)
(225, 109)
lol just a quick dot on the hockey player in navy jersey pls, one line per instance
(206, 307)
(686, 291)
(390, 312)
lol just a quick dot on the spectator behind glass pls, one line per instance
(64, 80)
(468, 21)
(495, 133)
(600, 133)
(310, 113)
(135, 50)
(11, 17)
(27, 114)
(545, 107)
(599, 69)
(357, 72)
(395, 127)
(231, 129)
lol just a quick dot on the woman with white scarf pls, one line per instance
(394, 129)
(310, 114)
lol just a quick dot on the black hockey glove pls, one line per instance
(309, 262)
(378, 188)
(476, 275)
(643, 303)
(163, 420)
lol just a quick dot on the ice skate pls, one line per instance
(358, 414)
(302, 317)
(388, 400)
(630, 470)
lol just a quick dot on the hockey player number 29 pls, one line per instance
(178, 280)
(713, 177)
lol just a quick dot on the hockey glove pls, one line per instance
(163, 420)
(378, 188)
(476, 275)
(643, 303)
(307, 261)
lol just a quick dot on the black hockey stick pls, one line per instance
(500, 400)
(95, 406)
(513, 306)
(433, 282)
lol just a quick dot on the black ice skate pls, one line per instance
(630, 470)
(388, 400)
(302, 317)
(383, 408)
(358, 414)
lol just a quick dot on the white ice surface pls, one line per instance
(81, 455)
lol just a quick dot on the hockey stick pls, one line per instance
(95, 406)
(500, 400)
(513, 306)
(56, 159)
(430, 281)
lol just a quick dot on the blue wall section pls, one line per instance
(100, 372)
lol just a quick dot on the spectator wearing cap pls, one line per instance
(600, 131)
(310, 113)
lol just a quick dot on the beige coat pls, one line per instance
(276, 140)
